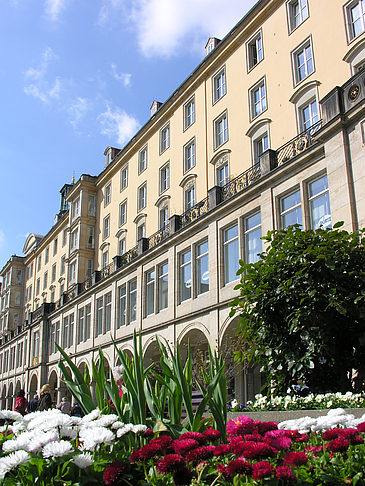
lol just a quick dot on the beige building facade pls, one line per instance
(268, 131)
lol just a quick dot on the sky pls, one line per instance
(79, 75)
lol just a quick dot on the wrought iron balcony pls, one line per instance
(158, 237)
(242, 181)
(194, 213)
(299, 144)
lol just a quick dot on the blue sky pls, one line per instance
(79, 75)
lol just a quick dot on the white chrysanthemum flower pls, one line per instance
(10, 415)
(95, 414)
(83, 460)
(41, 439)
(13, 460)
(139, 428)
(57, 449)
(75, 420)
(68, 432)
(104, 421)
(118, 425)
(93, 436)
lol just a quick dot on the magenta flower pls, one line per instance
(338, 445)
(212, 434)
(257, 450)
(183, 446)
(170, 464)
(281, 443)
(285, 474)
(199, 437)
(237, 466)
(114, 473)
(240, 425)
(200, 454)
(262, 470)
(295, 458)
(361, 427)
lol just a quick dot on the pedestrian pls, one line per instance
(77, 411)
(45, 400)
(64, 405)
(33, 404)
(21, 403)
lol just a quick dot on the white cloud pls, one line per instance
(39, 87)
(77, 110)
(163, 27)
(124, 78)
(53, 8)
(118, 125)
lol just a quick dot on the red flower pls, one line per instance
(183, 476)
(281, 443)
(114, 473)
(295, 458)
(264, 427)
(356, 440)
(253, 437)
(302, 438)
(361, 427)
(348, 433)
(200, 454)
(338, 445)
(262, 470)
(257, 450)
(148, 433)
(238, 446)
(170, 464)
(330, 434)
(221, 450)
(237, 466)
(194, 435)
(146, 452)
(240, 425)
(163, 441)
(211, 434)
(284, 473)
(183, 446)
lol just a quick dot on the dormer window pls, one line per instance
(211, 44)
(156, 105)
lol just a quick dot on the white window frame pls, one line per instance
(258, 105)
(165, 138)
(284, 212)
(189, 155)
(302, 48)
(106, 227)
(164, 177)
(253, 49)
(314, 118)
(124, 177)
(218, 170)
(189, 113)
(75, 239)
(190, 188)
(142, 196)
(142, 159)
(294, 21)
(351, 34)
(76, 208)
(108, 194)
(247, 232)
(123, 212)
(219, 84)
(227, 245)
(255, 145)
(163, 216)
(220, 132)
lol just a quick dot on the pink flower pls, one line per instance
(330, 434)
(200, 454)
(361, 427)
(285, 474)
(240, 425)
(257, 450)
(264, 427)
(348, 433)
(221, 450)
(170, 463)
(281, 443)
(212, 434)
(199, 437)
(253, 437)
(356, 440)
(338, 445)
(183, 446)
(237, 466)
(302, 438)
(295, 458)
(262, 470)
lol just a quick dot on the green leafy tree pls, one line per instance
(302, 309)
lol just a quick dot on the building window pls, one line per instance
(45, 279)
(189, 113)
(132, 300)
(141, 231)
(75, 239)
(164, 178)
(106, 227)
(124, 177)
(80, 326)
(55, 243)
(76, 208)
(255, 52)
(258, 102)
(150, 292)
(63, 265)
(142, 160)
(68, 331)
(53, 277)
(87, 322)
(189, 155)
(73, 272)
(202, 268)
(222, 175)
(164, 138)
(64, 238)
(189, 196)
(260, 144)
(91, 208)
(108, 312)
(230, 253)
(163, 286)
(122, 213)
(122, 246)
(122, 306)
(105, 259)
(127, 303)
(185, 275)
(219, 85)
(252, 237)
(319, 204)
(291, 209)
(355, 13)
(163, 217)
(302, 59)
(308, 115)
(220, 130)
(107, 194)
(99, 316)
(39, 263)
(297, 13)
(89, 269)
(37, 289)
(36, 345)
(142, 196)
(91, 237)
(46, 256)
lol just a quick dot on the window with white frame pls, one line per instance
(302, 61)
(107, 194)
(189, 113)
(46, 255)
(163, 213)
(122, 306)
(124, 177)
(164, 178)
(63, 264)
(199, 267)
(355, 18)
(220, 130)
(107, 312)
(121, 245)
(89, 268)
(127, 303)
(189, 155)
(91, 237)
(163, 286)
(73, 272)
(45, 280)
(297, 11)
(55, 244)
(53, 276)
(132, 300)
(67, 331)
(252, 237)
(164, 138)
(319, 203)
(76, 208)
(123, 212)
(257, 95)
(254, 50)
(189, 195)
(142, 196)
(105, 258)
(260, 144)
(142, 159)
(91, 207)
(75, 239)
(37, 289)
(36, 344)
(222, 174)
(141, 231)
(80, 325)
(308, 115)
(99, 316)
(150, 292)
(230, 253)
(185, 275)
(219, 84)
(202, 268)
(291, 209)
(39, 262)
(106, 227)
(64, 238)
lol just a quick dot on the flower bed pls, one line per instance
(49, 448)
(293, 402)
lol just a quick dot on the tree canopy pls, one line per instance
(302, 309)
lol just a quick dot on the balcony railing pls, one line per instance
(241, 182)
(298, 144)
(194, 213)
(159, 236)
